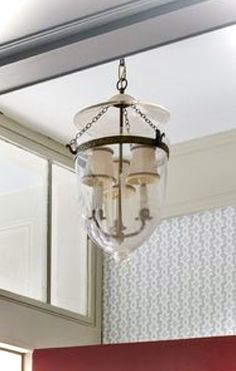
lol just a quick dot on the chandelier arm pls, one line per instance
(133, 234)
(93, 217)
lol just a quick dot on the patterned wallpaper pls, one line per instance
(179, 284)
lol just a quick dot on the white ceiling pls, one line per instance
(19, 18)
(194, 79)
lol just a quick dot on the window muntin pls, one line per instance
(69, 244)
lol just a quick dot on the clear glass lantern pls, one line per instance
(121, 175)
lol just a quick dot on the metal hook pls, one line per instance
(122, 69)
(122, 82)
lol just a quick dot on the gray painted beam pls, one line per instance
(127, 14)
(152, 32)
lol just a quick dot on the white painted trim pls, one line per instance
(110, 44)
(13, 348)
(25, 353)
(28, 327)
(87, 329)
(33, 141)
(200, 204)
(28, 361)
(215, 184)
(204, 143)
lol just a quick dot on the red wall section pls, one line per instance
(208, 354)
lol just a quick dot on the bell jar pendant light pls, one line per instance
(122, 169)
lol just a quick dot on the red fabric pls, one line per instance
(208, 354)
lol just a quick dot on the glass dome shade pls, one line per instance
(121, 194)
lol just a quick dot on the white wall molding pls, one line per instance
(29, 139)
(107, 42)
(204, 143)
(201, 175)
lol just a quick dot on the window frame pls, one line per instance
(54, 153)
(23, 356)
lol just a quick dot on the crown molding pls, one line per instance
(205, 143)
(201, 175)
(104, 38)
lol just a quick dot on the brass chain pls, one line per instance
(127, 123)
(89, 125)
(122, 69)
(144, 117)
(122, 82)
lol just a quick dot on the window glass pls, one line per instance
(23, 222)
(69, 244)
(10, 361)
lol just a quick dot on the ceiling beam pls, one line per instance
(111, 19)
(106, 37)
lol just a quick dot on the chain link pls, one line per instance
(127, 123)
(144, 117)
(122, 70)
(122, 82)
(89, 125)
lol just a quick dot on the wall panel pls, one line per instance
(215, 354)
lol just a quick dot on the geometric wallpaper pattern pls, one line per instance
(180, 284)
